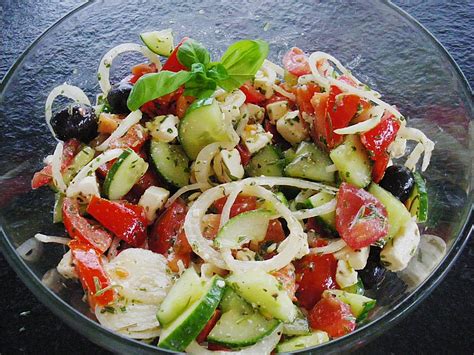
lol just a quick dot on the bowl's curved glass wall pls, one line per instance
(382, 46)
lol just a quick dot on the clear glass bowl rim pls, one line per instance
(113, 342)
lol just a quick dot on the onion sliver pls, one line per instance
(283, 92)
(133, 118)
(287, 181)
(364, 126)
(66, 90)
(106, 62)
(56, 163)
(202, 166)
(316, 211)
(225, 215)
(182, 191)
(332, 247)
(30, 250)
(296, 241)
(276, 68)
(414, 157)
(51, 239)
(91, 167)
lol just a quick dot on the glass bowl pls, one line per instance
(381, 44)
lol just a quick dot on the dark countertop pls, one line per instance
(443, 323)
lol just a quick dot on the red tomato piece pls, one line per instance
(360, 218)
(217, 347)
(314, 274)
(103, 170)
(275, 232)
(319, 103)
(91, 273)
(287, 277)
(275, 98)
(245, 154)
(381, 136)
(304, 94)
(182, 104)
(141, 69)
(172, 63)
(208, 327)
(380, 165)
(135, 138)
(126, 222)
(252, 95)
(332, 316)
(296, 62)
(276, 136)
(82, 229)
(242, 204)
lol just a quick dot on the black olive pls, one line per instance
(399, 181)
(374, 273)
(118, 96)
(75, 121)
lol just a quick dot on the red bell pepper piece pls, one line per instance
(173, 64)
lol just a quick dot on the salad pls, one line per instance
(232, 204)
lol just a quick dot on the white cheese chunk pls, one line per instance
(152, 200)
(345, 274)
(398, 252)
(356, 258)
(277, 110)
(228, 165)
(255, 137)
(66, 267)
(85, 189)
(164, 128)
(253, 113)
(291, 128)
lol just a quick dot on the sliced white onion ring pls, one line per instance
(51, 239)
(276, 68)
(107, 59)
(316, 211)
(182, 191)
(287, 181)
(225, 215)
(133, 118)
(66, 90)
(56, 163)
(414, 156)
(91, 167)
(30, 250)
(417, 135)
(283, 92)
(377, 113)
(332, 247)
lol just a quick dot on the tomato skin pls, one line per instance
(304, 94)
(275, 232)
(296, 63)
(172, 63)
(90, 270)
(319, 102)
(381, 136)
(314, 274)
(245, 154)
(126, 221)
(275, 98)
(360, 218)
(242, 204)
(253, 96)
(332, 316)
(141, 69)
(134, 139)
(208, 327)
(82, 229)
(182, 104)
(380, 165)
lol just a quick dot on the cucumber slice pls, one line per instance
(328, 220)
(126, 171)
(263, 290)
(80, 160)
(170, 162)
(58, 207)
(360, 305)
(417, 203)
(357, 288)
(397, 212)
(231, 300)
(267, 161)
(310, 163)
(352, 162)
(184, 292)
(243, 228)
(203, 124)
(289, 155)
(301, 342)
(184, 329)
(299, 326)
(236, 330)
(159, 42)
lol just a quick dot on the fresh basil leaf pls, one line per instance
(191, 52)
(217, 72)
(242, 60)
(200, 85)
(200, 103)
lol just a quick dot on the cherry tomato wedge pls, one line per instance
(275, 232)
(242, 204)
(380, 165)
(360, 218)
(381, 136)
(245, 154)
(332, 316)
(319, 103)
(304, 95)
(208, 327)
(91, 273)
(82, 229)
(314, 274)
(296, 62)
(172, 63)
(126, 222)
(141, 69)
(252, 95)
(135, 138)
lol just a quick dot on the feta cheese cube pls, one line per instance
(228, 166)
(152, 200)
(291, 128)
(396, 254)
(164, 128)
(356, 258)
(66, 267)
(345, 274)
(277, 110)
(253, 113)
(85, 189)
(255, 137)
